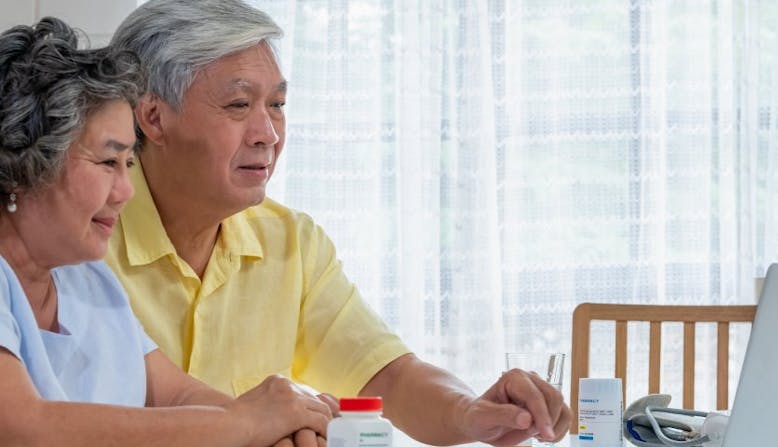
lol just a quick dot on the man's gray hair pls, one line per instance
(48, 88)
(175, 39)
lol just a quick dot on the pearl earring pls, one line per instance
(11, 203)
(11, 207)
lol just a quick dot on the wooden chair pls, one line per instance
(655, 314)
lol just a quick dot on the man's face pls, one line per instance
(221, 148)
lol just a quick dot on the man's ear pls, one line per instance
(148, 112)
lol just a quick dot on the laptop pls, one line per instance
(754, 411)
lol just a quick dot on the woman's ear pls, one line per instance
(148, 113)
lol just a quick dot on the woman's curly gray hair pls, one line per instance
(48, 88)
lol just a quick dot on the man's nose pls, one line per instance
(261, 131)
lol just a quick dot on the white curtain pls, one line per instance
(485, 166)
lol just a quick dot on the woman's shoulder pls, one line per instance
(91, 280)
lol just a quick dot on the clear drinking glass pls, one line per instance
(550, 367)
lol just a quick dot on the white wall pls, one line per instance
(98, 18)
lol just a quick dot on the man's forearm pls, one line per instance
(422, 400)
(434, 407)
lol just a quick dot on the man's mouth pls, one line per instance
(254, 167)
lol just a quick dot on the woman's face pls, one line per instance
(221, 148)
(71, 219)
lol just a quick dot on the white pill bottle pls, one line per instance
(599, 413)
(360, 424)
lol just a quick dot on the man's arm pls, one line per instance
(434, 407)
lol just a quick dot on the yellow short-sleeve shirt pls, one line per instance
(273, 299)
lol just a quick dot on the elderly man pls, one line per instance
(234, 286)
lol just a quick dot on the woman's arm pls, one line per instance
(260, 417)
(168, 386)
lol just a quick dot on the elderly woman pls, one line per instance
(74, 361)
(235, 286)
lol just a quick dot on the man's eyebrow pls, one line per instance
(242, 84)
(239, 84)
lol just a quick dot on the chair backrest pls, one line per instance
(655, 314)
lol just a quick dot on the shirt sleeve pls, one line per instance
(10, 338)
(342, 342)
(146, 343)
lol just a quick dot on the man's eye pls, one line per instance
(278, 105)
(110, 163)
(238, 105)
(130, 163)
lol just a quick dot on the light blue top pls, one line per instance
(98, 355)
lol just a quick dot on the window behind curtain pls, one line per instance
(483, 167)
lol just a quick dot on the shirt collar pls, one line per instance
(147, 241)
(239, 237)
(145, 237)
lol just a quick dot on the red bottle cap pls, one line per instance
(361, 404)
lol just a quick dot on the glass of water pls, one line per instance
(550, 367)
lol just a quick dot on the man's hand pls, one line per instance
(520, 405)
(332, 402)
(303, 438)
(277, 408)
(307, 437)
